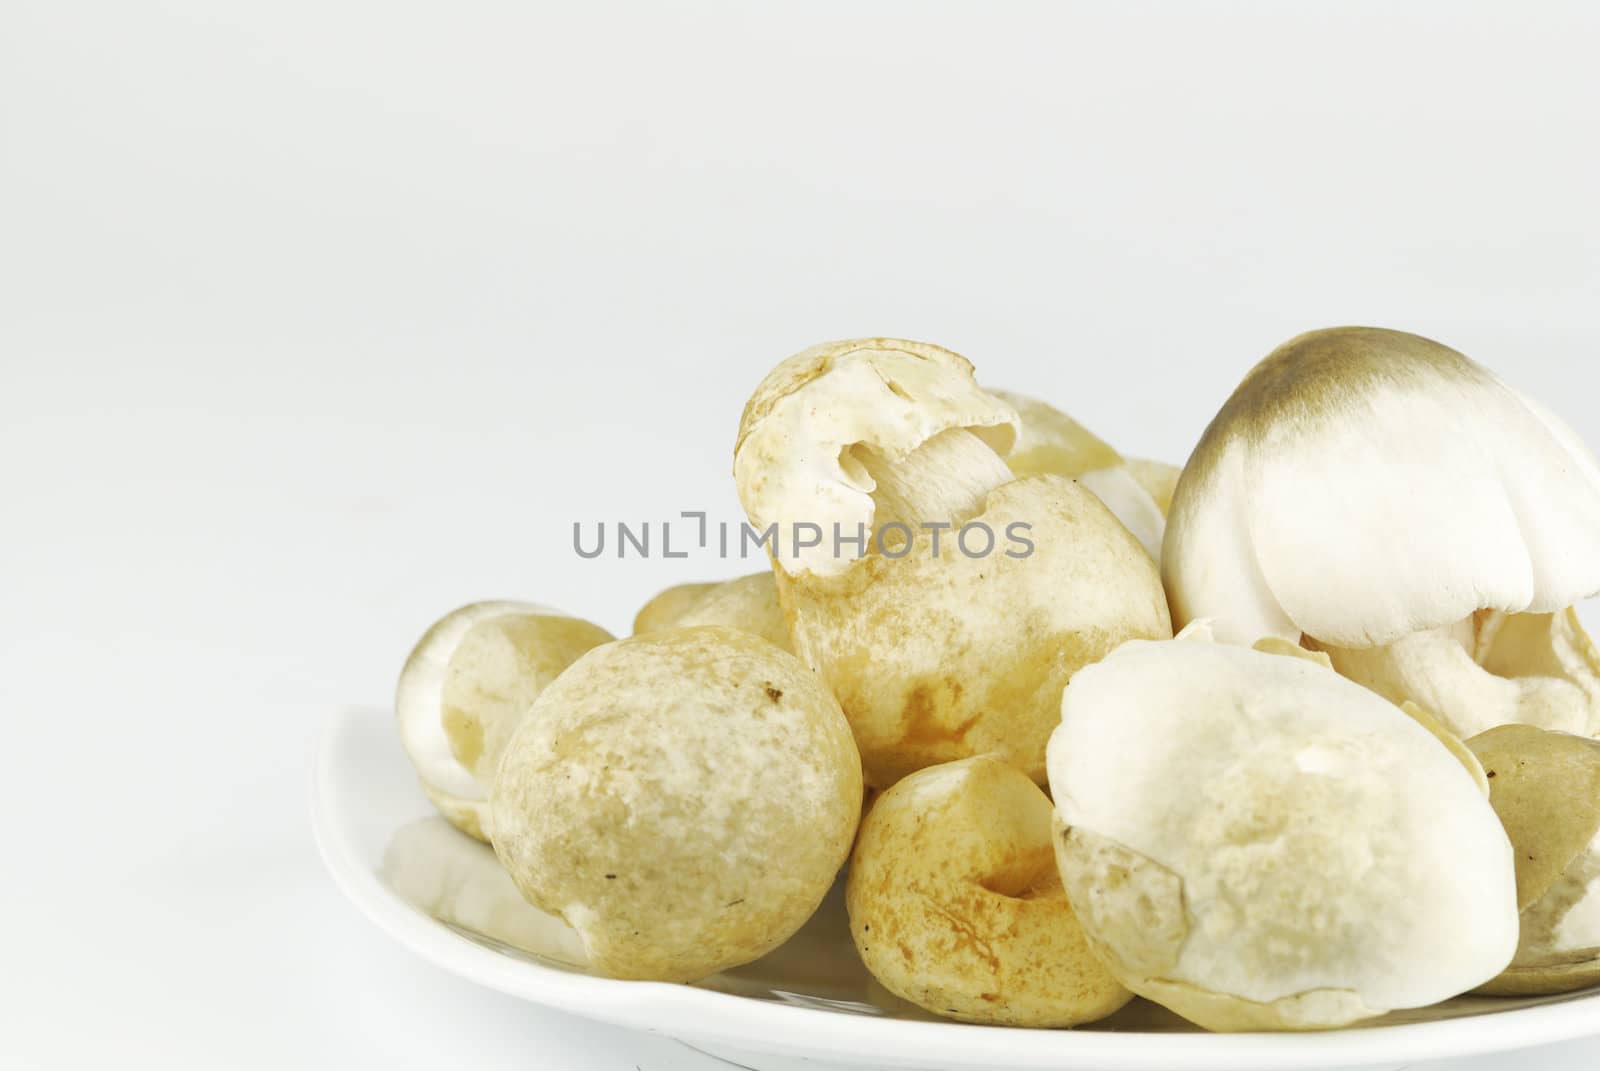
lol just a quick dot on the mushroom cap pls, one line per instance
(1158, 478)
(1050, 441)
(684, 799)
(1546, 788)
(467, 683)
(1362, 484)
(669, 604)
(792, 462)
(748, 603)
(940, 658)
(956, 906)
(1256, 842)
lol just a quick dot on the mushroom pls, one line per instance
(664, 609)
(1049, 440)
(467, 683)
(1408, 513)
(747, 602)
(683, 799)
(973, 596)
(1159, 480)
(1546, 788)
(1258, 843)
(956, 906)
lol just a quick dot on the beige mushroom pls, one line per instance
(1546, 788)
(1159, 479)
(1258, 843)
(683, 799)
(467, 683)
(1426, 525)
(956, 906)
(664, 609)
(937, 649)
(1050, 441)
(749, 603)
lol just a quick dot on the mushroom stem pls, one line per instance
(945, 479)
(1488, 670)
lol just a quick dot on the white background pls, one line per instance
(317, 320)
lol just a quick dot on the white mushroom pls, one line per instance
(1422, 522)
(956, 642)
(467, 683)
(1050, 441)
(1257, 843)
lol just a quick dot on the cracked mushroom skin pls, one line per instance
(467, 683)
(955, 903)
(1407, 512)
(1546, 788)
(1258, 843)
(1050, 441)
(683, 799)
(934, 655)
(749, 603)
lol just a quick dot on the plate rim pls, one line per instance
(692, 1013)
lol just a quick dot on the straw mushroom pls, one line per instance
(664, 609)
(1258, 843)
(467, 683)
(955, 903)
(1407, 512)
(1546, 788)
(973, 596)
(683, 799)
(1049, 440)
(747, 602)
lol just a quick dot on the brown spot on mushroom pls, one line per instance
(773, 694)
(924, 728)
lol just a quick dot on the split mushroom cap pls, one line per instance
(1546, 788)
(683, 799)
(955, 903)
(1362, 485)
(467, 683)
(829, 425)
(1049, 440)
(749, 603)
(1257, 843)
(956, 641)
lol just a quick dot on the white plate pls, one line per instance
(443, 896)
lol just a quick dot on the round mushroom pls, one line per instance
(1050, 441)
(955, 903)
(749, 603)
(1407, 512)
(1258, 843)
(972, 597)
(467, 683)
(1546, 788)
(683, 799)
(664, 609)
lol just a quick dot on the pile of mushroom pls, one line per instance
(1363, 778)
